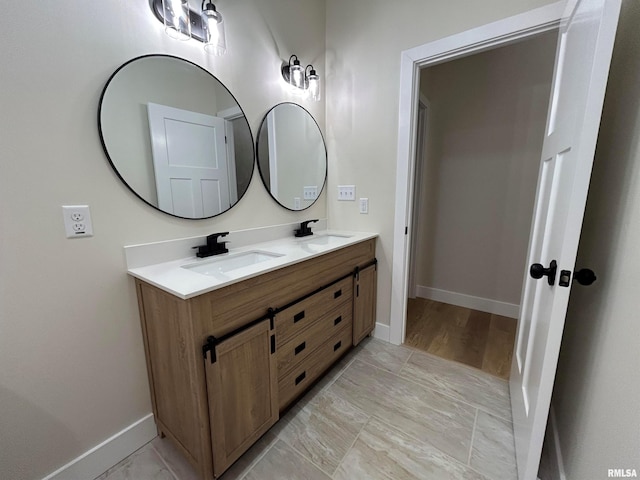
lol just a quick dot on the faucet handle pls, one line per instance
(306, 223)
(213, 238)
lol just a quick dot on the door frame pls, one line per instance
(477, 40)
(422, 134)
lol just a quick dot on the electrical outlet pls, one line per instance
(296, 203)
(364, 205)
(347, 193)
(77, 221)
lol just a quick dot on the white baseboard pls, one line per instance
(382, 332)
(104, 456)
(553, 442)
(488, 305)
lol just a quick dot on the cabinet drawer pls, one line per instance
(300, 377)
(302, 345)
(297, 317)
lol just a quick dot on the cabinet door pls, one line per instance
(242, 390)
(364, 302)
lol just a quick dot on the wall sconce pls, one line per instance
(303, 81)
(183, 23)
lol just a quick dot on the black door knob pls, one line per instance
(538, 271)
(585, 276)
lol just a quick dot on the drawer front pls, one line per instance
(299, 347)
(300, 377)
(293, 320)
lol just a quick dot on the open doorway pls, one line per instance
(480, 127)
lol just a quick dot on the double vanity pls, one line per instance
(232, 340)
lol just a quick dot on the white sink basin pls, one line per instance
(329, 239)
(228, 262)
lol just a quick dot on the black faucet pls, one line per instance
(213, 247)
(304, 230)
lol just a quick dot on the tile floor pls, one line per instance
(382, 413)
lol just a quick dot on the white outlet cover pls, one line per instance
(77, 221)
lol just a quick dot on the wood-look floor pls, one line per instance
(478, 339)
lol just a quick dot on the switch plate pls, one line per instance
(310, 193)
(347, 193)
(77, 221)
(364, 205)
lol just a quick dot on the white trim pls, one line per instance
(381, 332)
(231, 113)
(273, 154)
(110, 452)
(469, 301)
(479, 39)
(552, 442)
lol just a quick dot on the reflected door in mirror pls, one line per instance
(191, 163)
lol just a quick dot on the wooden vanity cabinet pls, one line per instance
(364, 302)
(214, 411)
(242, 392)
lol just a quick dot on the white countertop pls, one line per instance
(184, 283)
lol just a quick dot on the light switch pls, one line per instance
(310, 193)
(347, 193)
(364, 205)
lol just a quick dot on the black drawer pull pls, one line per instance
(337, 345)
(337, 294)
(300, 377)
(300, 348)
(298, 316)
(337, 320)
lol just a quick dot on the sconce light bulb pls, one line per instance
(212, 28)
(215, 41)
(296, 74)
(314, 86)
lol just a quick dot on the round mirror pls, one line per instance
(292, 157)
(176, 136)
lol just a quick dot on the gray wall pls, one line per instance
(365, 39)
(486, 120)
(597, 391)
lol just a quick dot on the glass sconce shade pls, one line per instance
(314, 85)
(215, 42)
(296, 74)
(177, 22)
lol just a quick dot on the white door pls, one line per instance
(582, 64)
(190, 161)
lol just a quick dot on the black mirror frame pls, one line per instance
(113, 166)
(262, 175)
